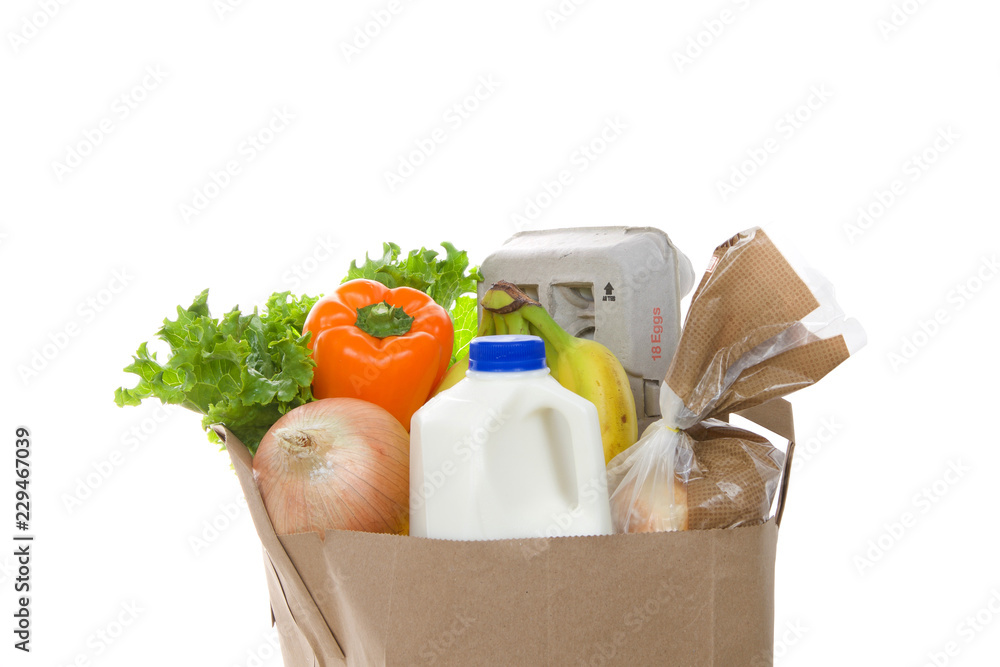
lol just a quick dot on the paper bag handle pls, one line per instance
(776, 416)
(304, 611)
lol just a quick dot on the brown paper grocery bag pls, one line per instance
(685, 598)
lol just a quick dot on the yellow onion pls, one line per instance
(335, 464)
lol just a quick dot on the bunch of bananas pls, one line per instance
(583, 366)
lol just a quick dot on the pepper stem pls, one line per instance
(380, 320)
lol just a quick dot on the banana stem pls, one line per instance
(509, 306)
(504, 297)
(514, 312)
(487, 327)
(515, 323)
(551, 353)
(547, 327)
(517, 313)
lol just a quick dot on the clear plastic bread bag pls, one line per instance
(757, 329)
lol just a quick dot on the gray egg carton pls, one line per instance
(610, 284)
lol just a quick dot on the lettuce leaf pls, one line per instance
(466, 319)
(445, 279)
(243, 370)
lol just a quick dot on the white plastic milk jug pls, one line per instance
(507, 452)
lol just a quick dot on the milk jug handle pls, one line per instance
(582, 434)
(584, 430)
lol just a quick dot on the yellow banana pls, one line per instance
(454, 375)
(592, 371)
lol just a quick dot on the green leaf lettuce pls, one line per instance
(243, 370)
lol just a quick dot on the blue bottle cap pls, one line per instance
(506, 354)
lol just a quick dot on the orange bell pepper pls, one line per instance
(387, 346)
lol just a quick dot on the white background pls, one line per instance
(889, 89)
